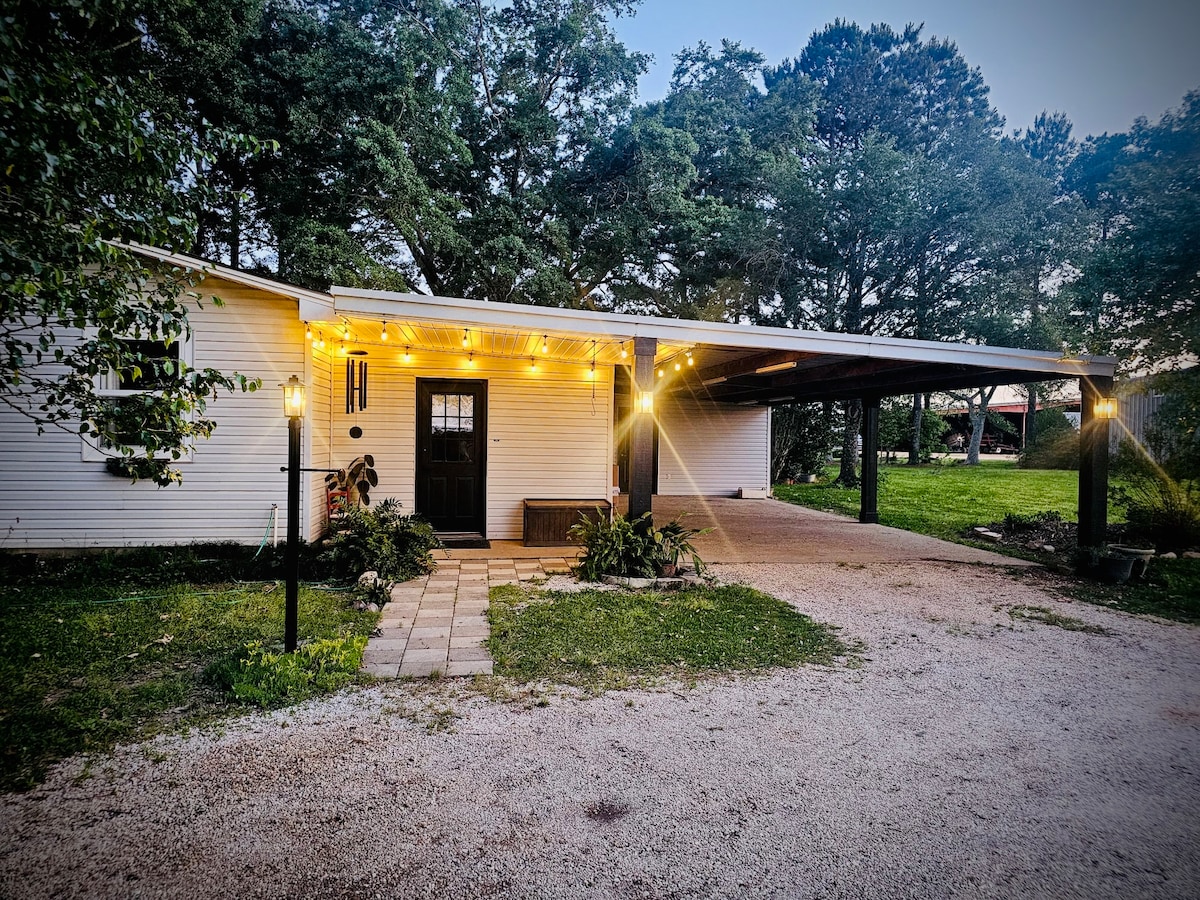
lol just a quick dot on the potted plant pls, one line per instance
(355, 481)
(673, 541)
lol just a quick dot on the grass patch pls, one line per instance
(1048, 617)
(1171, 590)
(86, 663)
(943, 500)
(599, 640)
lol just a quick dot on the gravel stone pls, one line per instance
(960, 753)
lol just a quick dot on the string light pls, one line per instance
(342, 348)
(307, 332)
(533, 364)
(408, 354)
(624, 352)
(678, 366)
(471, 358)
(321, 340)
(691, 362)
(466, 338)
(345, 331)
(660, 373)
(545, 344)
(383, 334)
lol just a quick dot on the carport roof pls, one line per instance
(733, 362)
(728, 362)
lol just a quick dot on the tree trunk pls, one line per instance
(848, 473)
(1030, 434)
(977, 407)
(235, 231)
(914, 450)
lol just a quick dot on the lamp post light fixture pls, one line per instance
(293, 408)
(1105, 408)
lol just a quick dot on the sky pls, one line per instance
(1102, 62)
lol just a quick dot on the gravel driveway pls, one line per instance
(969, 755)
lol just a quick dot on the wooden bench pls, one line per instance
(547, 521)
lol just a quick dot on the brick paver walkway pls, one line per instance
(438, 623)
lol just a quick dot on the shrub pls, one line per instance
(271, 679)
(1057, 449)
(1163, 511)
(382, 539)
(631, 548)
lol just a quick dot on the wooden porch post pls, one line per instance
(1093, 462)
(641, 429)
(868, 512)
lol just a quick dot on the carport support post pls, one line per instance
(641, 429)
(1093, 462)
(868, 511)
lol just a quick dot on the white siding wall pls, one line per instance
(50, 498)
(712, 449)
(547, 437)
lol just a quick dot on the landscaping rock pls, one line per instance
(989, 536)
(372, 607)
(1048, 548)
(641, 584)
(1033, 545)
(1191, 554)
(1167, 556)
(368, 580)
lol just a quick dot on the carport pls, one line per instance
(743, 364)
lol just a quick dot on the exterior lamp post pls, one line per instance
(293, 408)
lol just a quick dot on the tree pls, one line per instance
(1139, 292)
(90, 162)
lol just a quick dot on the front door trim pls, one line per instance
(426, 388)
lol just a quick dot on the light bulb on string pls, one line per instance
(307, 332)
(471, 358)
(466, 338)
(691, 362)
(383, 335)
(533, 364)
(545, 344)
(321, 340)
(624, 352)
(408, 354)
(660, 373)
(345, 332)
(678, 366)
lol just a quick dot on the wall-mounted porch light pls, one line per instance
(646, 402)
(1105, 408)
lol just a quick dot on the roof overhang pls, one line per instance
(727, 362)
(742, 363)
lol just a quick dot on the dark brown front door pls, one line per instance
(451, 454)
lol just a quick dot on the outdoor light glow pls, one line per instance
(466, 338)
(624, 353)
(321, 340)
(677, 366)
(545, 344)
(1105, 408)
(532, 364)
(307, 332)
(471, 358)
(383, 334)
(342, 349)
(691, 362)
(293, 397)
(408, 354)
(345, 332)
(646, 401)
(660, 373)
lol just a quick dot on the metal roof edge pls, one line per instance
(351, 301)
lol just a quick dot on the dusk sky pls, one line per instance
(1102, 62)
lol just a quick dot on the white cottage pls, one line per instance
(470, 409)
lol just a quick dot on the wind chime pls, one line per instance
(356, 389)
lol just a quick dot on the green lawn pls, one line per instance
(943, 500)
(603, 639)
(95, 658)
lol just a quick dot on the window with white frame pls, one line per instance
(161, 361)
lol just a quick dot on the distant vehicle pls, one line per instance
(997, 443)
